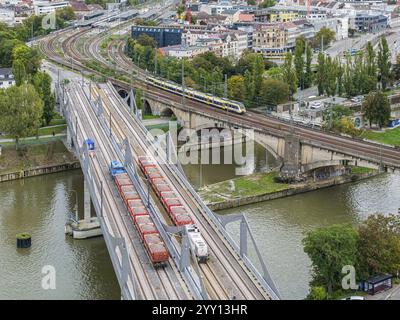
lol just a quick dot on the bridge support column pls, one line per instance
(291, 159)
(70, 141)
(86, 202)
(88, 227)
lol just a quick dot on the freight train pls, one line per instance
(152, 241)
(174, 206)
(216, 102)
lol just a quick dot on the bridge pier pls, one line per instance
(291, 160)
(88, 227)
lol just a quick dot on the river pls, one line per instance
(40, 206)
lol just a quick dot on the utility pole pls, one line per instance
(322, 43)
(183, 83)
(226, 87)
(155, 60)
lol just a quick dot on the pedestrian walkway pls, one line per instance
(7, 140)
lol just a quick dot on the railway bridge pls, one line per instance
(298, 148)
(98, 113)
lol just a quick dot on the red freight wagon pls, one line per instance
(162, 187)
(122, 176)
(149, 170)
(156, 181)
(171, 202)
(145, 163)
(167, 195)
(122, 182)
(129, 195)
(135, 203)
(154, 175)
(155, 248)
(182, 219)
(128, 188)
(145, 226)
(178, 210)
(138, 211)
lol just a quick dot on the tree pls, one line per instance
(139, 99)
(331, 68)
(376, 108)
(308, 77)
(267, 4)
(289, 74)
(370, 60)
(18, 70)
(274, 92)
(384, 64)
(146, 40)
(379, 245)
(299, 60)
(330, 249)
(321, 72)
(28, 56)
(317, 293)
(324, 36)
(396, 69)
(6, 48)
(42, 83)
(257, 74)
(236, 88)
(20, 111)
(249, 88)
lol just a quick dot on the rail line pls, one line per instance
(352, 147)
(226, 258)
(157, 283)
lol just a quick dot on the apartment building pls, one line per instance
(274, 40)
(44, 7)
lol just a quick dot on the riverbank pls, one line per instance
(37, 159)
(262, 187)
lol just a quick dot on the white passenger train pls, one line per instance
(197, 243)
(217, 102)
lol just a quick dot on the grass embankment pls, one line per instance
(45, 131)
(361, 170)
(30, 156)
(389, 136)
(253, 185)
(150, 116)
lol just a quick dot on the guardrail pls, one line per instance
(219, 221)
(195, 282)
(116, 245)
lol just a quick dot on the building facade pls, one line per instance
(6, 78)
(45, 7)
(164, 36)
(370, 22)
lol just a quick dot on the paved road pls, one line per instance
(33, 138)
(392, 294)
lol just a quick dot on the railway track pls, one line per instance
(153, 283)
(227, 264)
(352, 147)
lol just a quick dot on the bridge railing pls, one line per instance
(219, 221)
(123, 150)
(116, 245)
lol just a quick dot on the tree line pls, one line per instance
(30, 103)
(372, 248)
(243, 80)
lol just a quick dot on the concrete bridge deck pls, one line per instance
(225, 276)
